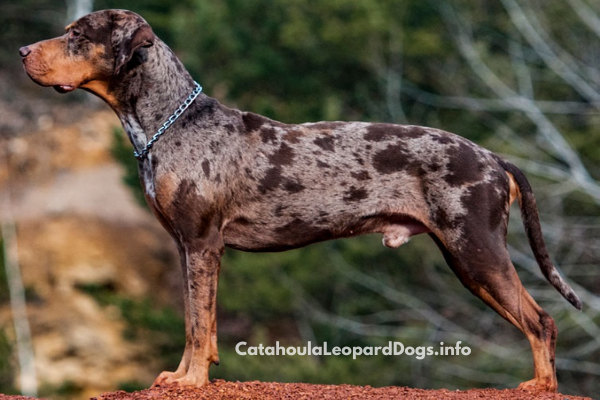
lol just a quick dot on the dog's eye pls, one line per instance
(74, 33)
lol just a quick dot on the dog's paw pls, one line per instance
(538, 385)
(166, 378)
(181, 379)
(192, 380)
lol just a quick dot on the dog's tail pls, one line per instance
(533, 229)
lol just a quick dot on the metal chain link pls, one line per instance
(180, 110)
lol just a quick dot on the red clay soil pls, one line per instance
(219, 389)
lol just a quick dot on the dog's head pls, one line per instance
(93, 49)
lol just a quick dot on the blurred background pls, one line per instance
(95, 299)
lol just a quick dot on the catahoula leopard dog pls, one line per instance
(217, 177)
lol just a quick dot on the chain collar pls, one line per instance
(143, 154)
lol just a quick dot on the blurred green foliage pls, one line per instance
(4, 294)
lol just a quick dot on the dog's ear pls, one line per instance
(129, 36)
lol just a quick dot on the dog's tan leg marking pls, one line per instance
(543, 345)
(539, 328)
(491, 276)
(513, 188)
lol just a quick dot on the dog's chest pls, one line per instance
(147, 179)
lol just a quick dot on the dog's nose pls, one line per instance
(24, 51)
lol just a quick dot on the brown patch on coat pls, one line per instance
(361, 175)
(283, 156)
(322, 164)
(461, 162)
(252, 122)
(326, 143)
(389, 160)
(293, 136)
(355, 194)
(268, 134)
(379, 132)
(292, 186)
(271, 180)
(206, 168)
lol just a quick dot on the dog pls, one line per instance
(217, 177)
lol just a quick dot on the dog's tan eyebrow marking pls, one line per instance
(71, 25)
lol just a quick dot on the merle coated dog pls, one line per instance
(217, 177)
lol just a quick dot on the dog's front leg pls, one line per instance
(200, 264)
(203, 262)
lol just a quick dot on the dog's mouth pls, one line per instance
(64, 88)
(39, 72)
(41, 80)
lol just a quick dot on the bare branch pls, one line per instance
(18, 302)
(587, 15)
(559, 61)
(553, 137)
(493, 105)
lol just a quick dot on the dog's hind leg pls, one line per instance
(483, 266)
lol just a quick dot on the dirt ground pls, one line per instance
(220, 389)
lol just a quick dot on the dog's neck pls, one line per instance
(150, 83)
